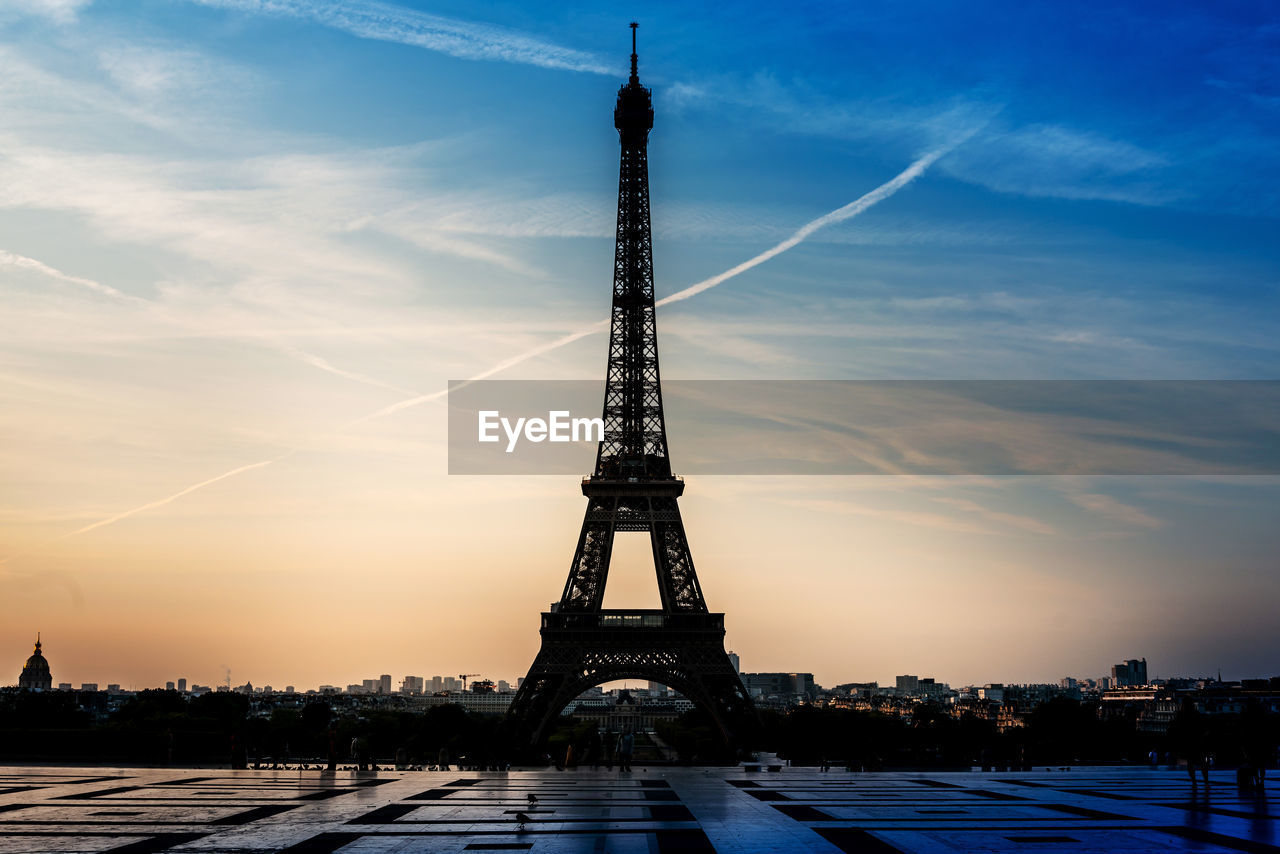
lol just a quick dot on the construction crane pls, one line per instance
(464, 677)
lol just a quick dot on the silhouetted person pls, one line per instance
(1255, 735)
(1189, 735)
(626, 746)
(608, 746)
(360, 752)
(239, 756)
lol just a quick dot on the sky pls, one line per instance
(245, 244)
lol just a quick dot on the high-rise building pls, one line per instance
(384, 683)
(182, 685)
(504, 687)
(1130, 672)
(908, 684)
(169, 686)
(411, 685)
(437, 684)
(735, 661)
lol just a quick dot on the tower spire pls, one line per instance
(635, 73)
(632, 489)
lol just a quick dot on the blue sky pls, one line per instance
(232, 229)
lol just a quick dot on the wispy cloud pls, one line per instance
(390, 23)
(1109, 507)
(854, 208)
(21, 262)
(61, 11)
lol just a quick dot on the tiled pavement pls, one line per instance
(656, 810)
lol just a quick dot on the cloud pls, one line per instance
(21, 262)
(1048, 159)
(854, 208)
(458, 38)
(1112, 508)
(60, 11)
(1062, 162)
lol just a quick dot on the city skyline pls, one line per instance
(243, 248)
(451, 682)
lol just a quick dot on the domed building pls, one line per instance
(35, 673)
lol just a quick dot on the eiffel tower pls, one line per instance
(680, 645)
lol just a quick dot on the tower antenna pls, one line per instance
(635, 74)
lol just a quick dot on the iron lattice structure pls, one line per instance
(632, 488)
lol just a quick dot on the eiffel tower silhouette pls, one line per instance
(680, 645)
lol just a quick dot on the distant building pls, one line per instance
(735, 661)
(169, 686)
(35, 673)
(89, 686)
(411, 685)
(783, 686)
(437, 684)
(384, 683)
(1131, 673)
(504, 687)
(992, 692)
(64, 686)
(182, 685)
(908, 684)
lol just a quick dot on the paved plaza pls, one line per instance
(655, 810)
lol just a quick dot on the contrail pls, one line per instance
(841, 214)
(487, 372)
(22, 262)
(879, 194)
(369, 19)
(163, 501)
(324, 365)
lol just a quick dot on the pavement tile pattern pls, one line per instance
(652, 810)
